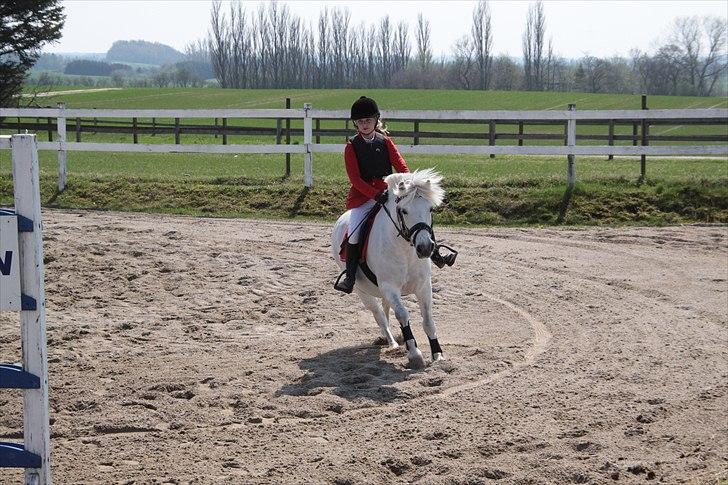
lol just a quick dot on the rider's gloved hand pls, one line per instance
(382, 197)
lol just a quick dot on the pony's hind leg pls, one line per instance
(394, 300)
(424, 300)
(381, 316)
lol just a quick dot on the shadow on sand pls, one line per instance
(351, 373)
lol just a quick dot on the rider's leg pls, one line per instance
(356, 218)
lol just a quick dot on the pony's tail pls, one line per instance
(382, 127)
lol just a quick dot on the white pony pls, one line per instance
(400, 245)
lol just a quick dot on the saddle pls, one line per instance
(365, 230)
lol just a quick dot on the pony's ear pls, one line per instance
(393, 179)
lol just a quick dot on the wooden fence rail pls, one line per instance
(111, 121)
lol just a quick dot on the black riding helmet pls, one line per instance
(364, 108)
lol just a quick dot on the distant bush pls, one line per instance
(88, 68)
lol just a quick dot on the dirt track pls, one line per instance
(215, 351)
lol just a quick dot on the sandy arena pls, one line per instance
(186, 350)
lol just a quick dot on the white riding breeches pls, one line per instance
(358, 214)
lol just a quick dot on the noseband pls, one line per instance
(410, 233)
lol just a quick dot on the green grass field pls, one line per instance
(193, 98)
(506, 190)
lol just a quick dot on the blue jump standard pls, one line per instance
(13, 455)
(14, 377)
(24, 224)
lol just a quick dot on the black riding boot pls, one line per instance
(352, 263)
(440, 260)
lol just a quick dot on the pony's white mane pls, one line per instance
(425, 182)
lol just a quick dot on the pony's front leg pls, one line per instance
(394, 300)
(424, 299)
(381, 316)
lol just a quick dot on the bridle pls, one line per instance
(409, 234)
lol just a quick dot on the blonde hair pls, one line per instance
(381, 127)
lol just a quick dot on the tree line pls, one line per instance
(270, 47)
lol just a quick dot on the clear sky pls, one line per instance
(600, 28)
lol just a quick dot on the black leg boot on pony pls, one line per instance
(352, 263)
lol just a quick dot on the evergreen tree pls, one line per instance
(25, 25)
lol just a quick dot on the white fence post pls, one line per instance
(61, 147)
(571, 142)
(307, 137)
(26, 183)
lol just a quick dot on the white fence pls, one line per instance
(570, 117)
(22, 261)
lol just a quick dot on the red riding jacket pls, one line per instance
(361, 190)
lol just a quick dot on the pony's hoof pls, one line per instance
(380, 341)
(393, 346)
(437, 357)
(416, 361)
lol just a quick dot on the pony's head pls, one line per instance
(415, 196)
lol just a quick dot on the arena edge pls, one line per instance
(505, 203)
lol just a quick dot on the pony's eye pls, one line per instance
(432, 209)
(404, 211)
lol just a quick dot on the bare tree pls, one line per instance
(278, 23)
(384, 46)
(355, 64)
(701, 46)
(424, 52)
(218, 45)
(402, 47)
(294, 54)
(262, 47)
(715, 62)
(591, 73)
(323, 47)
(340, 46)
(371, 57)
(658, 74)
(533, 38)
(240, 51)
(482, 42)
(507, 75)
(197, 51)
(464, 62)
(549, 67)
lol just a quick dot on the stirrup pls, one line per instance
(340, 285)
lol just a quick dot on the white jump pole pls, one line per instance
(26, 182)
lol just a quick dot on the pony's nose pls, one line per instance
(424, 250)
